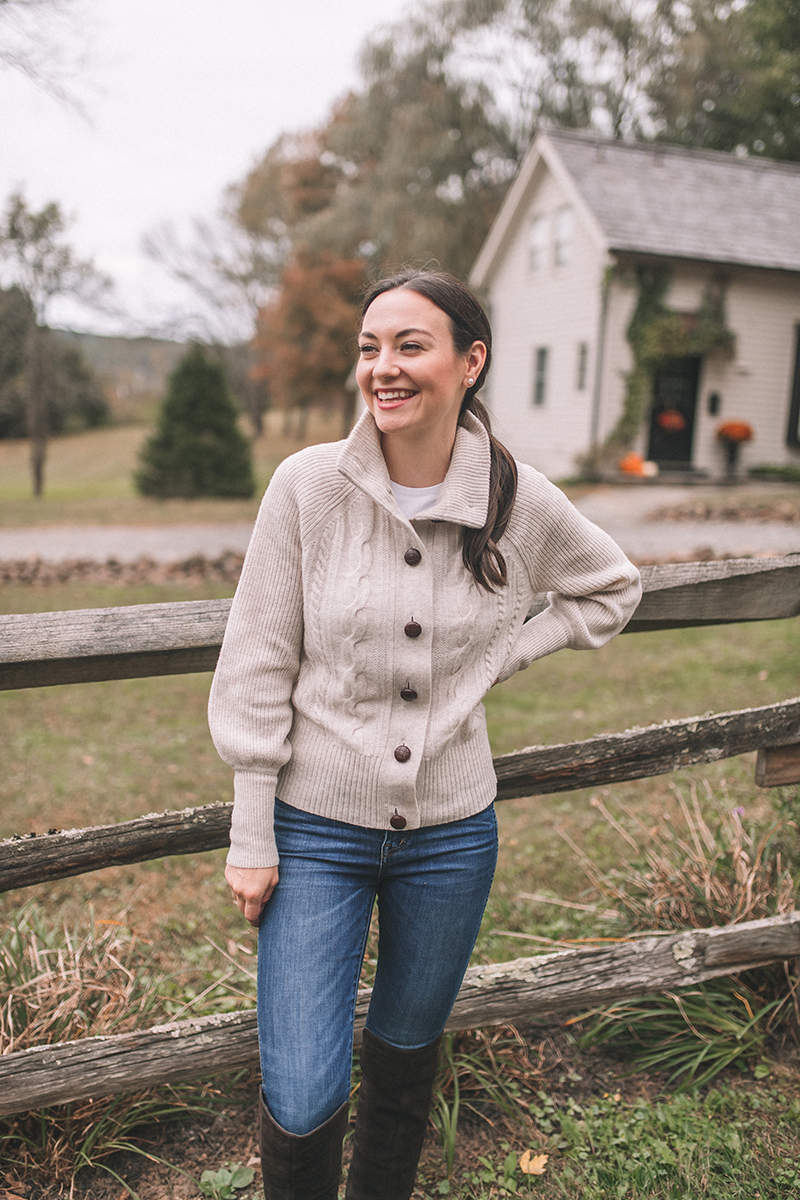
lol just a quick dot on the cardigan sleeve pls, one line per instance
(592, 588)
(250, 707)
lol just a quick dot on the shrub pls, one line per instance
(197, 449)
(690, 870)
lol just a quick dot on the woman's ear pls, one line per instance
(476, 358)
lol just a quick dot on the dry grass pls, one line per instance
(62, 984)
(684, 874)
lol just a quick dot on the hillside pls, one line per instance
(133, 371)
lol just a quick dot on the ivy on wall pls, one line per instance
(656, 334)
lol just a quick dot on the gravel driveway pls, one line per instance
(622, 511)
(126, 543)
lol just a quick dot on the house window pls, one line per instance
(537, 244)
(793, 433)
(582, 364)
(563, 242)
(540, 375)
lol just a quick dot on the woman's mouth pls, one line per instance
(393, 397)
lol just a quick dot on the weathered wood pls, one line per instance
(778, 765)
(640, 753)
(715, 593)
(44, 857)
(86, 645)
(539, 770)
(547, 986)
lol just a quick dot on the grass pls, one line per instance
(89, 479)
(105, 752)
(679, 1147)
(99, 978)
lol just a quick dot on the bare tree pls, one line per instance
(34, 258)
(231, 272)
(45, 41)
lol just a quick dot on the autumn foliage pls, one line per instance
(305, 339)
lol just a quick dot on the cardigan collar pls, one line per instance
(464, 495)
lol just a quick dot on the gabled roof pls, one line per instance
(657, 199)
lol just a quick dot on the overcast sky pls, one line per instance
(182, 97)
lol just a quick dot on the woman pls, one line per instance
(384, 591)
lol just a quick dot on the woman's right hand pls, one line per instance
(251, 888)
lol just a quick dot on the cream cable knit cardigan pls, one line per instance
(306, 699)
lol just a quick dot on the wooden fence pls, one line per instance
(166, 639)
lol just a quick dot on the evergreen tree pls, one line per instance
(197, 449)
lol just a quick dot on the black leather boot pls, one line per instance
(302, 1166)
(393, 1104)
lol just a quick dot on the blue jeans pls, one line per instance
(431, 884)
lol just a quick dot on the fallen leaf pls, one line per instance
(533, 1164)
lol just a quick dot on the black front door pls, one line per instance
(672, 418)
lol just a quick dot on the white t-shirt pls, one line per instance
(413, 501)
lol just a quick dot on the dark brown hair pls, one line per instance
(468, 323)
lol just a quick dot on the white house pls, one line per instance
(561, 271)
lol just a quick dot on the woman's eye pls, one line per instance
(410, 346)
(367, 348)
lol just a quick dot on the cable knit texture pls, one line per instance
(306, 699)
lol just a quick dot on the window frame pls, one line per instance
(563, 235)
(541, 364)
(538, 246)
(582, 367)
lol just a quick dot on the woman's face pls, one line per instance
(409, 372)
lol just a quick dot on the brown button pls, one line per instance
(408, 693)
(413, 629)
(412, 556)
(402, 753)
(397, 822)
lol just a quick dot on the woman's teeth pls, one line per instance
(389, 397)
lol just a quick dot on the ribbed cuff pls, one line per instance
(252, 835)
(542, 635)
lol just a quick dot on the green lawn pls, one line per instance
(103, 752)
(89, 479)
(106, 752)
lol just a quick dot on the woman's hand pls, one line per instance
(251, 888)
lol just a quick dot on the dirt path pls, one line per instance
(126, 543)
(622, 511)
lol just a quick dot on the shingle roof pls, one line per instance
(667, 200)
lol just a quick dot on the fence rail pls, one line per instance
(540, 770)
(164, 639)
(88, 645)
(546, 986)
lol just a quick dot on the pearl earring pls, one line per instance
(470, 382)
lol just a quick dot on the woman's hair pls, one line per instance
(469, 323)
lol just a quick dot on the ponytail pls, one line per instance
(469, 323)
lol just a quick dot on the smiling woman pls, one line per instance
(413, 381)
(384, 592)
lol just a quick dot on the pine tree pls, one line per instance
(197, 449)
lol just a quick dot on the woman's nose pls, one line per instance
(385, 366)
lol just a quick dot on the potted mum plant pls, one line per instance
(732, 434)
